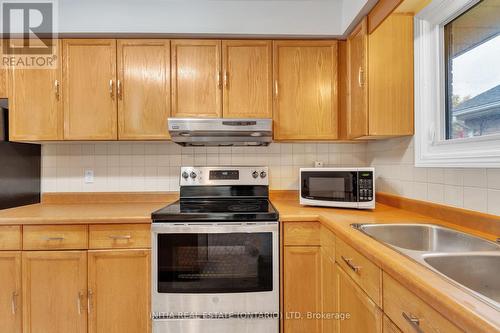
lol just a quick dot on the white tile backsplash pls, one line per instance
(475, 189)
(154, 166)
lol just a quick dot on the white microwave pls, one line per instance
(338, 187)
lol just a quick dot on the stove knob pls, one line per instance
(185, 175)
(263, 174)
(255, 174)
(193, 174)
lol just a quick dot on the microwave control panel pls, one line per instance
(365, 180)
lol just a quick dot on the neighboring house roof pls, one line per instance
(486, 102)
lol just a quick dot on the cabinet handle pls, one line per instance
(413, 321)
(48, 239)
(89, 301)
(219, 81)
(120, 237)
(360, 76)
(111, 90)
(276, 88)
(349, 263)
(119, 88)
(79, 302)
(14, 302)
(56, 88)
(226, 79)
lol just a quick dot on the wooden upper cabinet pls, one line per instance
(366, 316)
(54, 291)
(89, 89)
(143, 89)
(119, 291)
(357, 68)
(35, 104)
(306, 101)
(10, 292)
(390, 78)
(247, 78)
(196, 78)
(3, 76)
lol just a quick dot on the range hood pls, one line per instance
(221, 132)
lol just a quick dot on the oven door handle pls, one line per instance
(198, 228)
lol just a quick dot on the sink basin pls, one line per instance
(470, 262)
(478, 272)
(426, 237)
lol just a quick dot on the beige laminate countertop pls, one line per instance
(458, 306)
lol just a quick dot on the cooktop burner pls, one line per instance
(217, 210)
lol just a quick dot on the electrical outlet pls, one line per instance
(89, 176)
(318, 164)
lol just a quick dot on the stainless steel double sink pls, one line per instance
(470, 262)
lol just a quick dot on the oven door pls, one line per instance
(215, 267)
(336, 187)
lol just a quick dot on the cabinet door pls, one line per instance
(302, 288)
(306, 103)
(143, 89)
(328, 294)
(10, 291)
(89, 92)
(357, 62)
(54, 291)
(196, 78)
(247, 79)
(119, 291)
(365, 316)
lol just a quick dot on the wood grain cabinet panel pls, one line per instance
(305, 97)
(54, 291)
(357, 68)
(196, 78)
(89, 89)
(143, 89)
(302, 288)
(302, 233)
(3, 76)
(389, 326)
(247, 78)
(119, 291)
(121, 236)
(365, 315)
(403, 307)
(35, 104)
(10, 237)
(55, 237)
(10, 292)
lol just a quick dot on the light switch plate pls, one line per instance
(89, 176)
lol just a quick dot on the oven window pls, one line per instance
(215, 263)
(329, 185)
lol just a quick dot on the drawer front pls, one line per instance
(410, 313)
(10, 237)
(119, 236)
(60, 237)
(302, 233)
(365, 273)
(389, 326)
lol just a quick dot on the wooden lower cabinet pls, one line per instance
(54, 291)
(365, 315)
(119, 291)
(302, 288)
(390, 327)
(10, 292)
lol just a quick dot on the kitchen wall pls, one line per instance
(123, 166)
(474, 189)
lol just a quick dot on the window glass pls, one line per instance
(472, 44)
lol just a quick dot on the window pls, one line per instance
(457, 84)
(472, 47)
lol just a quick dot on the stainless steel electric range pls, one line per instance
(215, 262)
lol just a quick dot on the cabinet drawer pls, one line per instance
(56, 237)
(302, 233)
(403, 307)
(119, 236)
(365, 273)
(10, 237)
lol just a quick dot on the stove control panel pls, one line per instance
(237, 175)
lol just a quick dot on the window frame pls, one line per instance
(431, 147)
